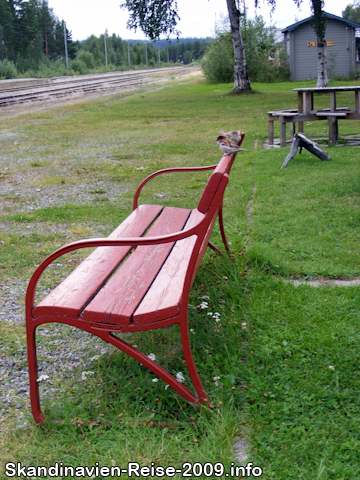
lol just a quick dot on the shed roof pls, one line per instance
(328, 15)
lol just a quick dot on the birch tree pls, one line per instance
(318, 22)
(159, 17)
(241, 73)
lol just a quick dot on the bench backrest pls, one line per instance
(213, 183)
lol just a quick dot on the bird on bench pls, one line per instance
(228, 142)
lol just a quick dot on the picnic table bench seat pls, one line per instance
(138, 278)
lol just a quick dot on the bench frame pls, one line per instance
(205, 215)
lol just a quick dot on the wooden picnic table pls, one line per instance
(306, 112)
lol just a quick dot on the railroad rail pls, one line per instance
(18, 92)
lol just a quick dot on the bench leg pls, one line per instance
(292, 129)
(109, 337)
(222, 231)
(160, 371)
(33, 376)
(333, 130)
(282, 132)
(223, 236)
(185, 340)
(271, 131)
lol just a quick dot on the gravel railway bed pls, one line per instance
(18, 92)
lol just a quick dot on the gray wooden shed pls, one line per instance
(300, 44)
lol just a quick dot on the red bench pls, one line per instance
(138, 278)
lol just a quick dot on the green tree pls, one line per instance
(157, 17)
(260, 47)
(263, 60)
(9, 32)
(218, 63)
(352, 12)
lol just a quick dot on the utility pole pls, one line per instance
(106, 62)
(66, 52)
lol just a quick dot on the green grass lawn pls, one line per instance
(282, 364)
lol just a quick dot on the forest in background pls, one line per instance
(32, 44)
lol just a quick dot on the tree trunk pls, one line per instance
(322, 77)
(241, 74)
(318, 22)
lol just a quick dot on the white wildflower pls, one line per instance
(180, 377)
(204, 305)
(85, 374)
(332, 367)
(167, 386)
(215, 380)
(155, 380)
(204, 297)
(42, 378)
(152, 356)
(210, 314)
(243, 325)
(217, 317)
(192, 331)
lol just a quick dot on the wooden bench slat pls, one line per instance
(163, 298)
(117, 300)
(68, 298)
(331, 114)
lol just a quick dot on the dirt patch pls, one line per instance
(325, 282)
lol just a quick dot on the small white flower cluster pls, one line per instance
(215, 380)
(243, 325)
(152, 356)
(180, 377)
(216, 316)
(203, 305)
(42, 378)
(332, 367)
(84, 375)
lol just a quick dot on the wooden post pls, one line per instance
(271, 128)
(66, 51)
(282, 132)
(300, 110)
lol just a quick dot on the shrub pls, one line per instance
(265, 59)
(7, 69)
(87, 58)
(79, 66)
(218, 63)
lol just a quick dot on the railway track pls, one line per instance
(13, 93)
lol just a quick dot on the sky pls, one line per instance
(198, 17)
